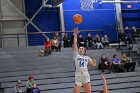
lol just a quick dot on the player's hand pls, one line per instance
(94, 62)
(75, 31)
(103, 77)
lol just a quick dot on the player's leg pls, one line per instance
(76, 89)
(87, 87)
(78, 83)
(86, 82)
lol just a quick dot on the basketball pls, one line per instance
(77, 18)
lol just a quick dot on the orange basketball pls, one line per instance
(77, 18)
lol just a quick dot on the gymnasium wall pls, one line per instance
(102, 17)
(11, 22)
(47, 20)
(131, 15)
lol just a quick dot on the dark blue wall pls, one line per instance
(46, 20)
(131, 16)
(102, 17)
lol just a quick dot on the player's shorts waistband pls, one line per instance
(80, 72)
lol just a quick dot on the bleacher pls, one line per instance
(55, 73)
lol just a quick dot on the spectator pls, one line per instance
(97, 42)
(48, 45)
(18, 88)
(66, 40)
(56, 34)
(59, 38)
(55, 44)
(29, 83)
(129, 40)
(135, 36)
(116, 65)
(128, 64)
(72, 39)
(105, 41)
(122, 37)
(47, 50)
(104, 64)
(89, 41)
(35, 89)
(81, 41)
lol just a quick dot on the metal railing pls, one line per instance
(18, 36)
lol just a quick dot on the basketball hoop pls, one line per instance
(56, 3)
(87, 5)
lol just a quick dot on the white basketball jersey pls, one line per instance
(81, 62)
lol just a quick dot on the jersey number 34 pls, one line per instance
(81, 64)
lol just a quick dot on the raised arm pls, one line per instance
(104, 84)
(75, 38)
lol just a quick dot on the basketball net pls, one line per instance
(87, 5)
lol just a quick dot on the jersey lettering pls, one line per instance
(81, 63)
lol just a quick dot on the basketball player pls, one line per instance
(82, 77)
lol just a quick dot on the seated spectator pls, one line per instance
(81, 41)
(128, 40)
(116, 65)
(71, 40)
(105, 41)
(35, 89)
(18, 88)
(29, 83)
(97, 42)
(66, 40)
(47, 50)
(122, 37)
(89, 41)
(55, 44)
(135, 36)
(128, 64)
(59, 38)
(104, 64)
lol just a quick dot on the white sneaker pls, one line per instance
(41, 51)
